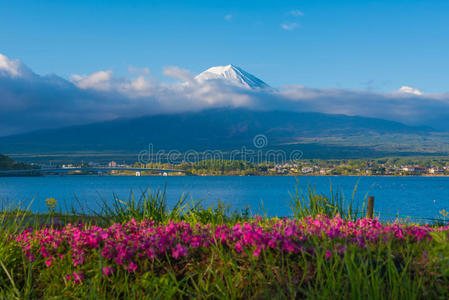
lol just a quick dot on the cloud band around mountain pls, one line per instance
(29, 101)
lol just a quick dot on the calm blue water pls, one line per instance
(413, 196)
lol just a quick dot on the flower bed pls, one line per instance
(132, 245)
(310, 257)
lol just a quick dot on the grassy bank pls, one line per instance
(144, 249)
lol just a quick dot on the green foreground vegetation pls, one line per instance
(143, 249)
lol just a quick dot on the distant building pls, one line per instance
(389, 171)
(307, 170)
(414, 170)
(420, 170)
(408, 169)
(325, 171)
(112, 164)
(436, 170)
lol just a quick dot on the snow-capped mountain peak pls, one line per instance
(231, 74)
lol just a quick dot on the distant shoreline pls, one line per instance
(213, 175)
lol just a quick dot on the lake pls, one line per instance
(410, 196)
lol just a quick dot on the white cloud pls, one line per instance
(13, 68)
(98, 81)
(289, 26)
(10, 66)
(296, 13)
(51, 101)
(179, 74)
(228, 17)
(140, 84)
(409, 90)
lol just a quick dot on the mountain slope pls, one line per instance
(222, 129)
(234, 75)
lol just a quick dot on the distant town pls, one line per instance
(358, 167)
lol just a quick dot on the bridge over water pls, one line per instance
(98, 170)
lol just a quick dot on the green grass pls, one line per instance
(310, 203)
(395, 269)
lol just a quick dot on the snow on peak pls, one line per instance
(232, 75)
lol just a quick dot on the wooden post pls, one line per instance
(370, 207)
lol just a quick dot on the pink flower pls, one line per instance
(107, 271)
(256, 252)
(289, 246)
(48, 262)
(179, 251)
(238, 247)
(122, 244)
(132, 267)
(78, 277)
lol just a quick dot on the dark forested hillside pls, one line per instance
(225, 129)
(7, 163)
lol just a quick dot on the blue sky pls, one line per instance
(375, 45)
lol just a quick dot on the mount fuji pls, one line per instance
(317, 135)
(232, 75)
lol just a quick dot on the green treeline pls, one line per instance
(7, 163)
(396, 166)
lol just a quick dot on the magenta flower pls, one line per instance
(132, 267)
(179, 251)
(48, 262)
(256, 252)
(238, 247)
(78, 277)
(107, 270)
(129, 246)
